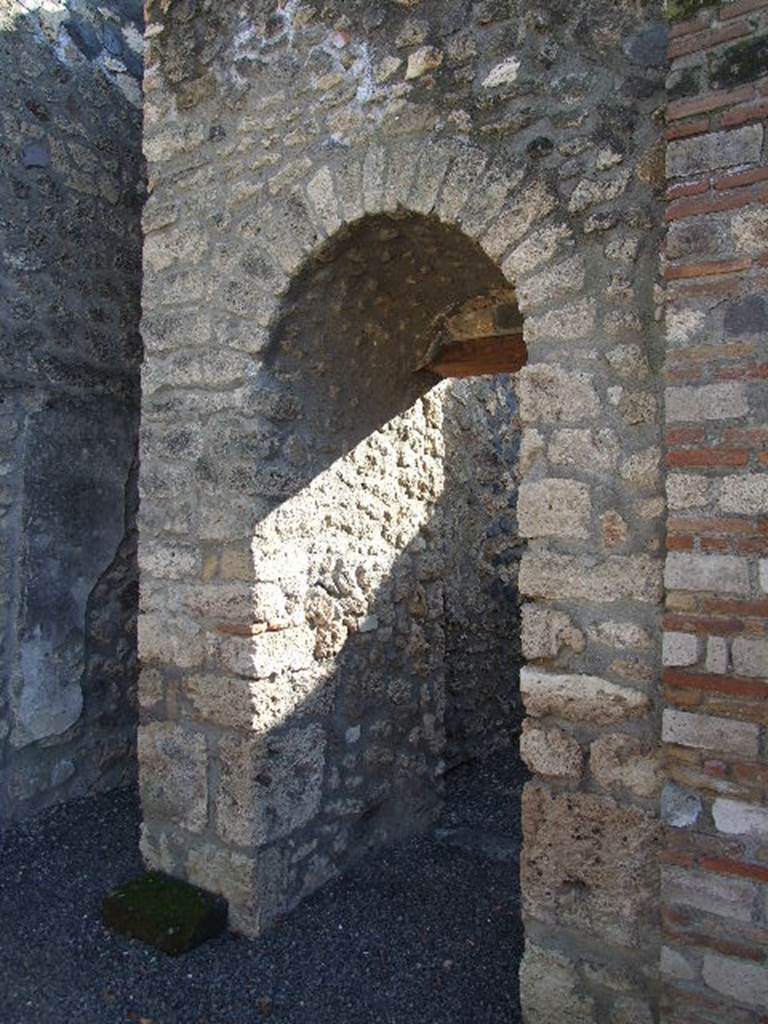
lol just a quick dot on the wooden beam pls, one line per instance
(475, 357)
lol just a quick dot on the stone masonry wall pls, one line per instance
(715, 860)
(69, 352)
(272, 130)
(363, 615)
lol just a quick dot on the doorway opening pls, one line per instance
(366, 651)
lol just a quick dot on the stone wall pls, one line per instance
(359, 618)
(69, 350)
(715, 860)
(331, 544)
(528, 139)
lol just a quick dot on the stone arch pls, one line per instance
(451, 179)
(290, 657)
(555, 182)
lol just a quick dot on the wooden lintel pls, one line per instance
(474, 357)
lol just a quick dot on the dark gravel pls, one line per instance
(426, 932)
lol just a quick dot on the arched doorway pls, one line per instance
(367, 638)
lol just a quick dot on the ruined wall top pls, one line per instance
(107, 36)
(393, 56)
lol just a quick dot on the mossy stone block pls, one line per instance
(682, 10)
(165, 912)
(745, 62)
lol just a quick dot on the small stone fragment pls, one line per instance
(550, 752)
(502, 74)
(36, 154)
(425, 59)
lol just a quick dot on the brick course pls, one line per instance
(715, 681)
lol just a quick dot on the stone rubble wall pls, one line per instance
(715, 858)
(270, 129)
(329, 559)
(69, 403)
(363, 617)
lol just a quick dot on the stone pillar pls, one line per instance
(715, 860)
(591, 506)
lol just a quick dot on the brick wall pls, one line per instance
(715, 862)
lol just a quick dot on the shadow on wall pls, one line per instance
(363, 635)
(70, 284)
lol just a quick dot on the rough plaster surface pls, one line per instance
(69, 346)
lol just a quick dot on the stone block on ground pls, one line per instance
(164, 912)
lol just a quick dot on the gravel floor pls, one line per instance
(426, 932)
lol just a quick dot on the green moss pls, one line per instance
(169, 914)
(681, 10)
(743, 62)
(682, 84)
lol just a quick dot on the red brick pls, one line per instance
(710, 101)
(733, 10)
(714, 1010)
(699, 207)
(673, 914)
(679, 542)
(728, 706)
(686, 130)
(730, 181)
(688, 43)
(713, 457)
(720, 524)
(684, 28)
(755, 437)
(701, 844)
(687, 188)
(709, 268)
(752, 546)
(732, 685)
(706, 625)
(748, 371)
(720, 544)
(680, 860)
(724, 946)
(705, 287)
(708, 39)
(719, 769)
(682, 698)
(736, 351)
(731, 31)
(745, 113)
(683, 374)
(751, 773)
(731, 606)
(735, 867)
(684, 435)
